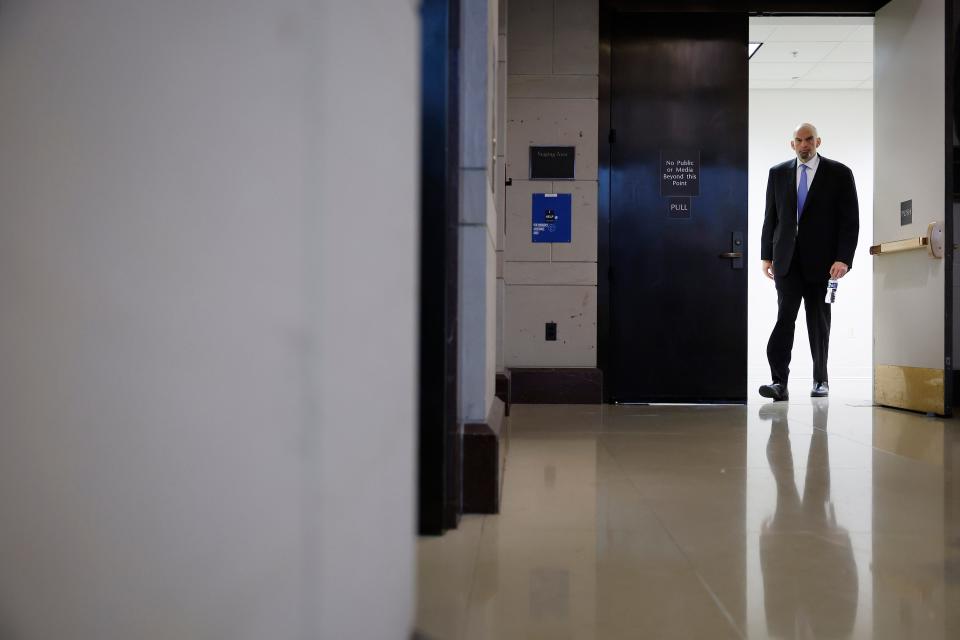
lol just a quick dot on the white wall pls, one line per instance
(207, 319)
(845, 123)
(477, 339)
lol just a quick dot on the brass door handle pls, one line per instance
(735, 255)
(934, 243)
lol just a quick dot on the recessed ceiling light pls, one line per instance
(752, 48)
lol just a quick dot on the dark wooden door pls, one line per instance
(677, 300)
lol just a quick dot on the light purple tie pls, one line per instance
(801, 191)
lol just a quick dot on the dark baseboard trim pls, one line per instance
(451, 517)
(484, 446)
(556, 386)
(503, 390)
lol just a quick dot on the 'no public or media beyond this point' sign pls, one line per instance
(679, 174)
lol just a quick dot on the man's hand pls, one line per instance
(768, 268)
(838, 270)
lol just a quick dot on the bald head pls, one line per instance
(805, 141)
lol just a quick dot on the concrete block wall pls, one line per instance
(552, 78)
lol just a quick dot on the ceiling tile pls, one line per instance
(784, 52)
(827, 84)
(812, 33)
(760, 33)
(858, 71)
(771, 84)
(778, 70)
(831, 53)
(863, 33)
(851, 52)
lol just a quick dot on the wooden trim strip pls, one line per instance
(484, 444)
(570, 385)
(913, 388)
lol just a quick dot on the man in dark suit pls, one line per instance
(809, 235)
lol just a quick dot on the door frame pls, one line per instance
(950, 375)
(439, 471)
(608, 11)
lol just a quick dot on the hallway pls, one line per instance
(817, 519)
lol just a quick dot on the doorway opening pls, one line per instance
(816, 69)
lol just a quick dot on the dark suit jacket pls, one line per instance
(828, 228)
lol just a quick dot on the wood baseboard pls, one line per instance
(913, 388)
(503, 390)
(484, 449)
(530, 385)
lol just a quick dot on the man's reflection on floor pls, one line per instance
(809, 572)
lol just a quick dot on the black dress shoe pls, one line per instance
(820, 390)
(776, 391)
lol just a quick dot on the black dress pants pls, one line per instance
(791, 289)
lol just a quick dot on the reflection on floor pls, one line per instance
(817, 519)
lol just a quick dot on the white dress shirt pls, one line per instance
(812, 165)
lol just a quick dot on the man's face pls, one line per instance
(805, 143)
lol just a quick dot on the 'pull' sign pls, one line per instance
(678, 208)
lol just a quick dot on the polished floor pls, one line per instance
(814, 519)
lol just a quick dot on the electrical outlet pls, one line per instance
(551, 331)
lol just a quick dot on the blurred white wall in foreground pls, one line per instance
(207, 319)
